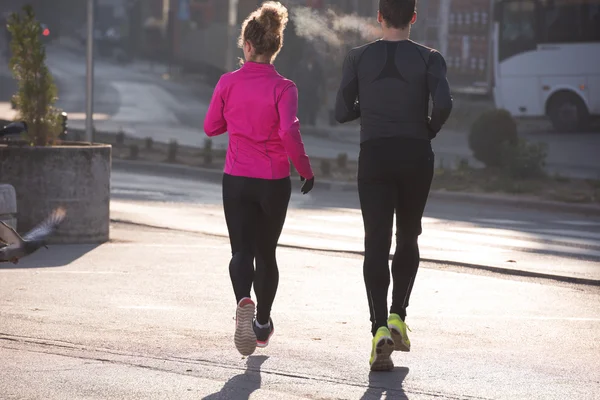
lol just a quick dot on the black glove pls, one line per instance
(308, 184)
(431, 133)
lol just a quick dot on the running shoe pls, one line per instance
(383, 346)
(263, 334)
(245, 338)
(398, 329)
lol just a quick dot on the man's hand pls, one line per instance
(308, 184)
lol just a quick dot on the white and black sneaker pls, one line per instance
(263, 334)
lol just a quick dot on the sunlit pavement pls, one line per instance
(539, 242)
(150, 315)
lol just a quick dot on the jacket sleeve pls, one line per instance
(439, 90)
(289, 131)
(346, 103)
(214, 122)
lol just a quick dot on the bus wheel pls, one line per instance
(567, 112)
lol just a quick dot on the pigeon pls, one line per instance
(14, 247)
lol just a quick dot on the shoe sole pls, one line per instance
(399, 344)
(244, 337)
(383, 352)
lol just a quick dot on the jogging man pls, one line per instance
(388, 84)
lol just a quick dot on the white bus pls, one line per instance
(547, 60)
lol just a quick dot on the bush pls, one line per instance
(134, 151)
(525, 160)
(342, 160)
(172, 151)
(120, 138)
(326, 167)
(37, 93)
(208, 152)
(492, 132)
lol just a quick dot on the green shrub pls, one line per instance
(37, 93)
(525, 160)
(462, 164)
(342, 160)
(134, 151)
(326, 167)
(492, 132)
(208, 152)
(120, 138)
(172, 151)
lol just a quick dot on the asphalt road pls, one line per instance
(150, 315)
(501, 237)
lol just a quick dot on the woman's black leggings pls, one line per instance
(255, 211)
(394, 176)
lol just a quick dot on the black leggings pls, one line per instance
(394, 175)
(255, 211)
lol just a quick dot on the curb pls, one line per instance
(215, 175)
(488, 268)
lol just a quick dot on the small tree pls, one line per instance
(37, 93)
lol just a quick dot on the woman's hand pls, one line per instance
(308, 184)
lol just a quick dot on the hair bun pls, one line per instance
(273, 17)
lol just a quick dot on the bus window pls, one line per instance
(518, 28)
(593, 23)
(569, 21)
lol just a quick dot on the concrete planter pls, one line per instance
(73, 175)
(8, 205)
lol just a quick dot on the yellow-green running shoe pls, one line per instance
(383, 346)
(398, 330)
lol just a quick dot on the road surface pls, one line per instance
(150, 315)
(535, 241)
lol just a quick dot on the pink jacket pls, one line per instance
(257, 107)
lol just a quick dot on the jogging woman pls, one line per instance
(257, 107)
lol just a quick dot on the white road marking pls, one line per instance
(565, 232)
(533, 235)
(521, 317)
(503, 221)
(579, 223)
(158, 308)
(58, 271)
(477, 238)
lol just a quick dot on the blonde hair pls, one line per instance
(264, 29)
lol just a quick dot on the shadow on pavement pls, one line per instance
(54, 256)
(241, 386)
(389, 383)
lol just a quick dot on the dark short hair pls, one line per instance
(397, 13)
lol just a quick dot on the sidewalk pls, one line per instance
(150, 315)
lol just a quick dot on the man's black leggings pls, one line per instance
(255, 211)
(394, 175)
